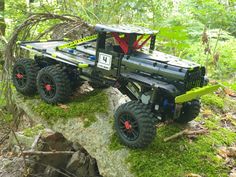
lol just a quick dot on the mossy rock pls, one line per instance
(84, 106)
(213, 101)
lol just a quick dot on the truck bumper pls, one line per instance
(195, 93)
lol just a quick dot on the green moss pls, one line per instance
(84, 106)
(115, 143)
(212, 122)
(181, 156)
(33, 131)
(213, 101)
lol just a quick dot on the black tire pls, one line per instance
(75, 83)
(53, 84)
(134, 124)
(189, 111)
(24, 76)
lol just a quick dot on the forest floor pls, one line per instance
(194, 155)
(88, 119)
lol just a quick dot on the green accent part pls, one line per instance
(82, 65)
(29, 46)
(191, 69)
(54, 55)
(43, 40)
(18, 42)
(66, 39)
(196, 93)
(76, 42)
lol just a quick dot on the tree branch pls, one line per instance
(47, 152)
(186, 132)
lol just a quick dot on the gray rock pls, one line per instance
(24, 140)
(50, 171)
(93, 168)
(82, 171)
(77, 160)
(77, 147)
(11, 167)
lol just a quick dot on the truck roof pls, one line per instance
(124, 29)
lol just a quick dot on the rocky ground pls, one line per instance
(114, 160)
(95, 139)
(49, 154)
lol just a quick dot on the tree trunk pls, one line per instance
(2, 21)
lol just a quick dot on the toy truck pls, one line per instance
(160, 86)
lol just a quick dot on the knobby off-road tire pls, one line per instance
(24, 76)
(189, 111)
(75, 83)
(75, 80)
(134, 124)
(53, 84)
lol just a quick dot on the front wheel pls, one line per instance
(189, 111)
(135, 124)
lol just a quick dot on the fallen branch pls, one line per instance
(4, 137)
(46, 152)
(186, 132)
(21, 149)
(35, 142)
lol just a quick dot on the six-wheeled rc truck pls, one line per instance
(159, 85)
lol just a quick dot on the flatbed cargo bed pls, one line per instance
(80, 55)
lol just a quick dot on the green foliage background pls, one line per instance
(181, 29)
(180, 25)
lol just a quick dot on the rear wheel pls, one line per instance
(53, 84)
(189, 111)
(134, 124)
(24, 76)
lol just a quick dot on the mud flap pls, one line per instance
(195, 93)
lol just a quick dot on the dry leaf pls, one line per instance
(232, 151)
(227, 152)
(223, 152)
(233, 173)
(10, 154)
(229, 92)
(63, 106)
(192, 175)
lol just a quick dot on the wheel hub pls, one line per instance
(19, 76)
(48, 87)
(128, 126)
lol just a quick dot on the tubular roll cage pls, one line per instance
(128, 43)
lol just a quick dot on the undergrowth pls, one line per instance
(33, 131)
(4, 115)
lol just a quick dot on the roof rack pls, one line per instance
(124, 29)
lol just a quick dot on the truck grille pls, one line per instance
(194, 78)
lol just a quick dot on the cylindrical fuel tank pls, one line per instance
(154, 67)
